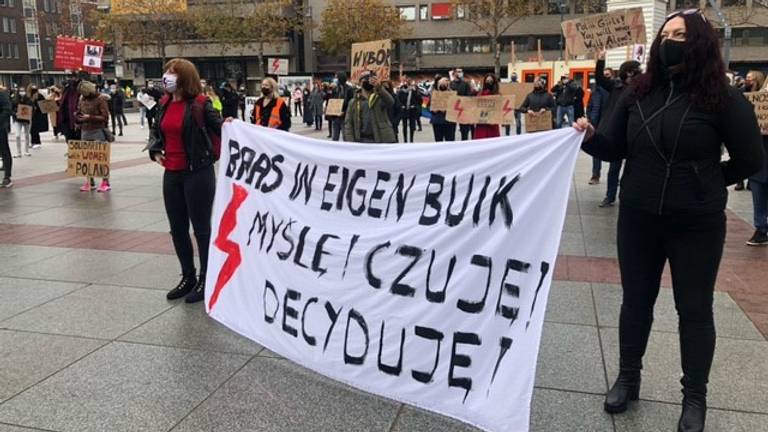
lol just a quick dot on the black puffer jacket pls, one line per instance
(538, 99)
(200, 150)
(673, 166)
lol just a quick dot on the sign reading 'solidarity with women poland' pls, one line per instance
(418, 272)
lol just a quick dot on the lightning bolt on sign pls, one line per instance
(226, 245)
(275, 65)
(507, 109)
(458, 108)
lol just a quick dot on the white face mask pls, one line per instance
(169, 82)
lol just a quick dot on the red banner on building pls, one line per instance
(78, 54)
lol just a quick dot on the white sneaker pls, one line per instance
(27, 154)
(37, 146)
(17, 156)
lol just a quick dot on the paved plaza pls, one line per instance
(88, 341)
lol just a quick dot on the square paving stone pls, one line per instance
(18, 295)
(270, 395)
(661, 417)
(26, 358)
(188, 326)
(123, 387)
(160, 272)
(570, 303)
(738, 380)
(416, 420)
(104, 312)
(559, 411)
(570, 359)
(78, 265)
(730, 320)
(14, 256)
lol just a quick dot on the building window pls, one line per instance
(441, 11)
(460, 12)
(2, 3)
(1, 51)
(50, 53)
(407, 13)
(424, 12)
(15, 50)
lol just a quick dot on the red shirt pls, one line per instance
(172, 126)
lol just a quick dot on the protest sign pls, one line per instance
(48, 106)
(415, 272)
(147, 100)
(24, 112)
(481, 109)
(620, 28)
(760, 101)
(371, 56)
(78, 54)
(335, 107)
(519, 90)
(88, 159)
(439, 100)
(535, 122)
(278, 66)
(250, 103)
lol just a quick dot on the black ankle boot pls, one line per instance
(183, 288)
(694, 412)
(625, 389)
(197, 294)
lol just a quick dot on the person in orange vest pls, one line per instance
(271, 110)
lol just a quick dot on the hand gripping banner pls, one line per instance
(418, 272)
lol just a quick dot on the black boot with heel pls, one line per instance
(694, 413)
(186, 285)
(198, 293)
(625, 389)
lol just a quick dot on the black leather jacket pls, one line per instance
(674, 165)
(198, 147)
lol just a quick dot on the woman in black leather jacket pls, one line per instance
(670, 128)
(185, 140)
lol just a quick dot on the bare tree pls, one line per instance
(345, 22)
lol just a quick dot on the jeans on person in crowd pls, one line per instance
(597, 165)
(34, 137)
(142, 114)
(444, 132)
(760, 205)
(337, 124)
(614, 169)
(5, 154)
(562, 111)
(693, 245)
(466, 132)
(119, 117)
(188, 196)
(22, 129)
(318, 122)
(518, 126)
(409, 127)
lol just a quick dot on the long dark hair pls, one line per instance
(704, 73)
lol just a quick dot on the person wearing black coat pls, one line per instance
(39, 122)
(5, 129)
(308, 115)
(186, 141)
(669, 127)
(462, 88)
(117, 108)
(539, 100)
(409, 102)
(229, 99)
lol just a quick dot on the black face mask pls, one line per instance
(266, 91)
(671, 53)
(443, 87)
(367, 86)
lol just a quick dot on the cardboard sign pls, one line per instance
(278, 66)
(147, 100)
(250, 104)
(519, 90)
(760, 101)
(48, 106)
(78, 54)
(88, 159)
(439, 100)
(24, 112)
(481, 110)
(535, 122)
(335, 107)
(371, 56)
(625, 27)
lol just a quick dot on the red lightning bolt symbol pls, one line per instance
(276, 65)
(457, 107)
(506, 108)
(229, 247)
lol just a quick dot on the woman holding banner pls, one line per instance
(92, 117)
(271, 110)
(669, 127)
(185, 140)
(490, 88)
(441, 127)
(39, 118)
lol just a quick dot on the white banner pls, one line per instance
(416, 272)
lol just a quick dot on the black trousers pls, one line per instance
(444, 131)
(34, 136)
(466, 131)
(119, 116)
(5, 153)
(318, 122)
(409, 127)
(693, 246)
(188, 196)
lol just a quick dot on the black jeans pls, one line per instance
(444, 131)
(318, 122)
(693, 245)
(188, 196)
(409, 126)
(466, 131)
(119, 116)
(5, 153)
